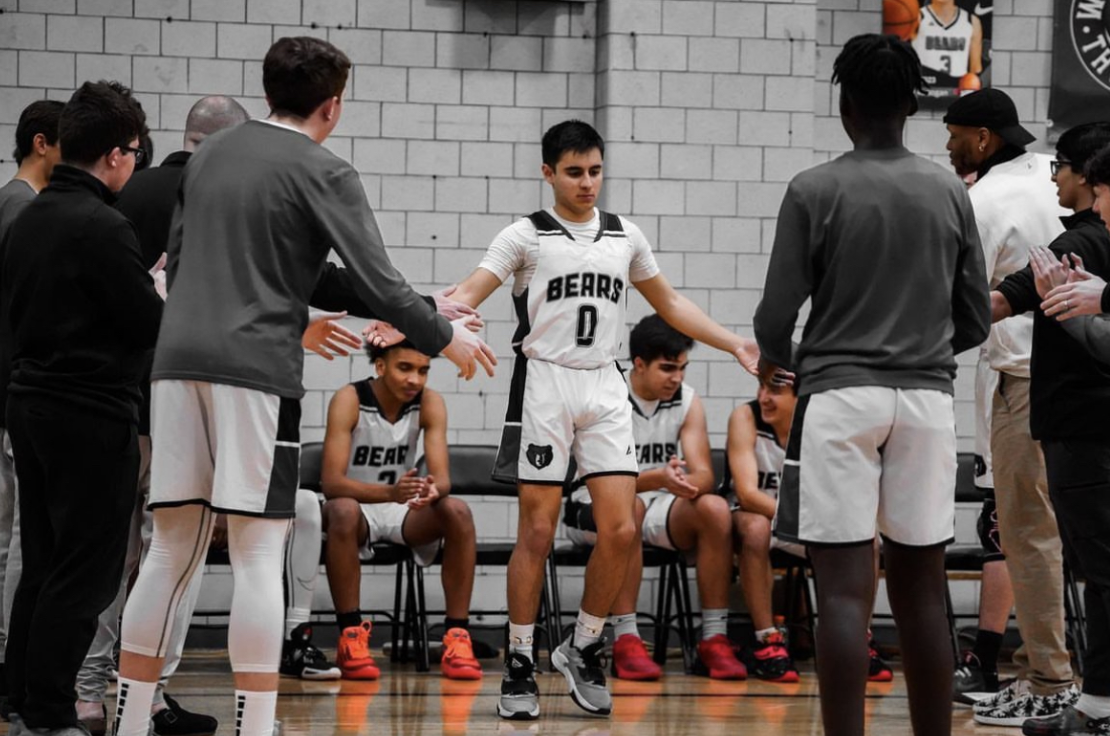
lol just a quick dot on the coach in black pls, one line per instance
(1070, 402)
(82, 311)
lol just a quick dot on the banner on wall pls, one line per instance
(953, 40)
(1080, 63)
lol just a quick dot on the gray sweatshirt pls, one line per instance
(259, 208)
(884, 243)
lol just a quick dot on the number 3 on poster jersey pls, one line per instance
(587, 325)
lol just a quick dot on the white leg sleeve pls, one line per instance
(177, 552)
(254, 632)
(302, 560)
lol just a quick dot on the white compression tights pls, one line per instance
(177, 552)
(302, 560)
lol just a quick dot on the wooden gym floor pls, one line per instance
(407, 703)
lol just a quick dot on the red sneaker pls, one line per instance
(772, 661)
(877, 669)
(353, 654)
(631, 660)
(719, 661)
(458, 661)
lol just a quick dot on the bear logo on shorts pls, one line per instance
(540, 456)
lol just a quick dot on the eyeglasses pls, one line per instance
(1055, 166)
(139, 153)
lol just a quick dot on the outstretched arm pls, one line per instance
(687, 317)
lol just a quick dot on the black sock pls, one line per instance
(349, 619)
(987, 646)
(456, 623)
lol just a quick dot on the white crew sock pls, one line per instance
(254, 712)
(624, 623)
(133, 707)
(521, 637)
(587, 630)
(1094, 706)
(294, 617)
(764, 634)
(714, 621)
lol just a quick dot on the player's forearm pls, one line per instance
(702, 479)
(651, 480)
(686, 317)
(755, 502)
(1000, 307)
(344, 487)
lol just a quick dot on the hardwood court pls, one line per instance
(407, 703)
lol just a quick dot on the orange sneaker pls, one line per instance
(631, 660)
(353, 654)
(717, 659)
(458, 661)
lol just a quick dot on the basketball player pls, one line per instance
(375, 495)
(949, 40)
(1069, 396)
(227, 370)
(757, 437)
(1016, 209)
(675, 504)
(572, 265)
(873, 442)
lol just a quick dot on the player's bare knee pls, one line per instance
(342, 516)
(536, 536)
(619, 532)
(456, 515)
(755, 532)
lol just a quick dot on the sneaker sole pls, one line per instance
(970, 698)
(319, 675)
(1010, 721)
(560, 662)
(519, 715)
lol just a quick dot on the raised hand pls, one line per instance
(381, 334)
(1048, 273)
(466, 349)
(326, 337)
(452, 309)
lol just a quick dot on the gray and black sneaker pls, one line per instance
(971, 683)
(585, 675)
(520, 698)
(1068, 722)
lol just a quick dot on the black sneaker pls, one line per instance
(971, 683)
(877, 668)
(174, 720)
(299, 658)
(520, 698)
(1069, 722)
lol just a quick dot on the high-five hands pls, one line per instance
(326, 337)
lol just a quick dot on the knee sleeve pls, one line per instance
(302, 553)
(254, 633)
(987, 527)
(178, 548)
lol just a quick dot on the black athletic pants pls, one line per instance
(1079, 484)
(77, 474)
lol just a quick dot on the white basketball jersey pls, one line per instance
(382, 451)
(944, 47)
(769, 454)
(572, 312)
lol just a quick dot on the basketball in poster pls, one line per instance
(952, 39)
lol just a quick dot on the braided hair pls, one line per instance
(880, 74)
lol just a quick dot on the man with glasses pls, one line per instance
(1015, 210)
(82, 311)
(1070, 399)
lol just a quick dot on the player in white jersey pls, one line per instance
(757, 435)
(572, 266)
(949, 40)
(374, 494)
(675, 504)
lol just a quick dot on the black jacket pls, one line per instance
(81, 307)
(1069, 389)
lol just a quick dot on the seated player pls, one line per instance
(757, 435)
(675, 504)
(374, 494)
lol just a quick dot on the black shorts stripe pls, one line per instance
(285, 475)
(508, 453)
(787, 516)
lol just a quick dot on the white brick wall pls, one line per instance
(708, 108)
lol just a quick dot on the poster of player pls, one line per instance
(952, 39)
